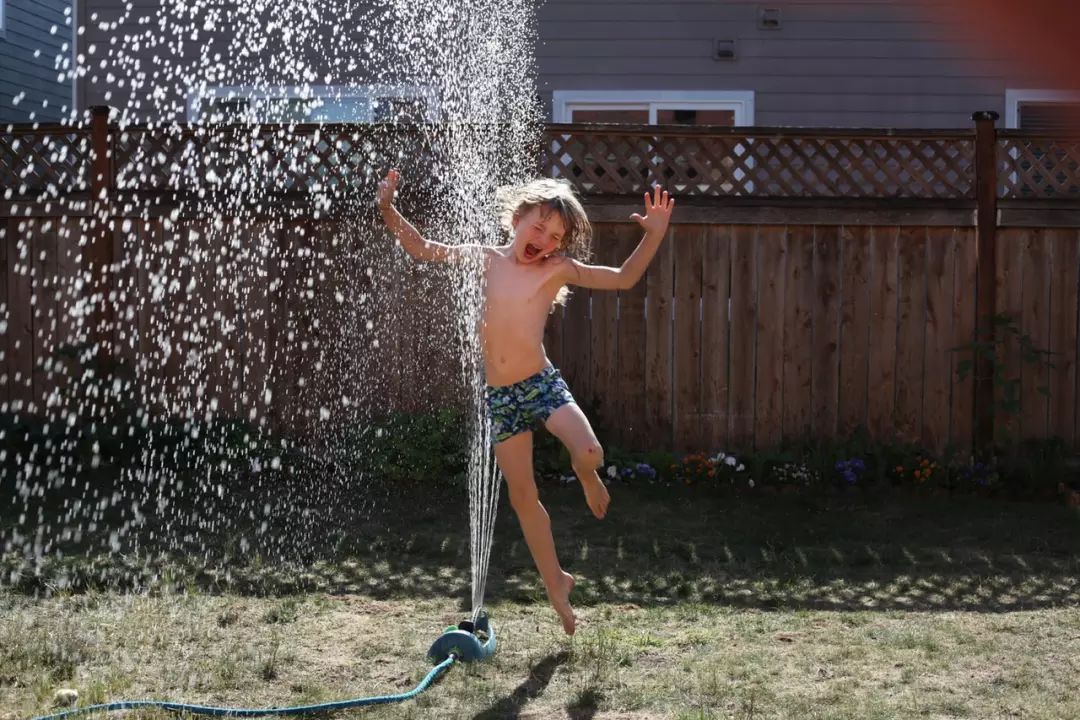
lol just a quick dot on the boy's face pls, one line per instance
(537, 234)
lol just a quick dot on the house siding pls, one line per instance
(864, 63)
(853, 63)
(28, 28)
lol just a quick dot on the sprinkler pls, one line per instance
(467, 641)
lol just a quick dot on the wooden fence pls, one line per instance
(750, 334)
(813, 281)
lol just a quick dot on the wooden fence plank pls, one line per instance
(744, 310)
(965, 277)
(125, 290)
(287, 349)
(43, 280)
(798, 335)
(770, 336)
(631, 349)
(881, 400)
(576, 333)
(825, 372)
(854, 327)
(1035, 323)
(146, 259)
(255, 301)
(1065, 277)
(689, 253)
(230, 324)
(1011, 244)
(937, 358)
(21, 327)
(715, 324)
(658, 340)
(7, 235)
(604, 334)
(911, 333)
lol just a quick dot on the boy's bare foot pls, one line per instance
(560, 600)
(596, 494)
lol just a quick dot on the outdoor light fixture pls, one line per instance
(723, 50)
(769, 18)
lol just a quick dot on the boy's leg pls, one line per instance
(514, 456)
(569, 424)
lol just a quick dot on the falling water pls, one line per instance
(218, 307)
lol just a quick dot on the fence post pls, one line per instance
(98, 258)
(986, 263)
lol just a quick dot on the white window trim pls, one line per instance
(368, 93)
(564, 102)
(3, 16)
(1015, 96)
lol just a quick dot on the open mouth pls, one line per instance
(531, 251)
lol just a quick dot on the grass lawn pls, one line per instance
(691, 604)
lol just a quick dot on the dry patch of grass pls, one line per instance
(685, 660)
(689, 609)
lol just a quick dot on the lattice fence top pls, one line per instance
(257, 159)
(251, 160)
(1038, 167)
(750, 162)
(46, 161)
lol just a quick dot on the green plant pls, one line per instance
(992, 342)
(411, 448)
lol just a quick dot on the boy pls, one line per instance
(550, 238)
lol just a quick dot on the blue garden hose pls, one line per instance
(259, 712)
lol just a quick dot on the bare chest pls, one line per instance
(509, 285)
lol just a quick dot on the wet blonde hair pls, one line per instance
(554, 196)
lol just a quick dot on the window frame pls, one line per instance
(1015, 96)
(564, 102)
(368, 93)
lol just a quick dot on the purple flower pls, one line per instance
(645, 470)
(850, 469)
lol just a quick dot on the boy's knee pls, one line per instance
(589, 457)
(523, 498)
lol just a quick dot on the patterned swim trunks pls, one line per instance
(522, 406)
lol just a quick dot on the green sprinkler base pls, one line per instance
(467, 641)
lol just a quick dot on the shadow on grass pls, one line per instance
(533, 687)
(657, 546)
(585, 705)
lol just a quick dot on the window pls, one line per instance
(3, 15)
(663, 107)
(319, 104)
(1046, 110)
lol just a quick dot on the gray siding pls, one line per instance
(860, 63)
(844, 63)
(28, 28)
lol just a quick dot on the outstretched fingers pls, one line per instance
(658, 199)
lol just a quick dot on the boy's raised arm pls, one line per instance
(658, 209)
(407, 236)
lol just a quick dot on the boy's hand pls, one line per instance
(658, 208)
(387, 188)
